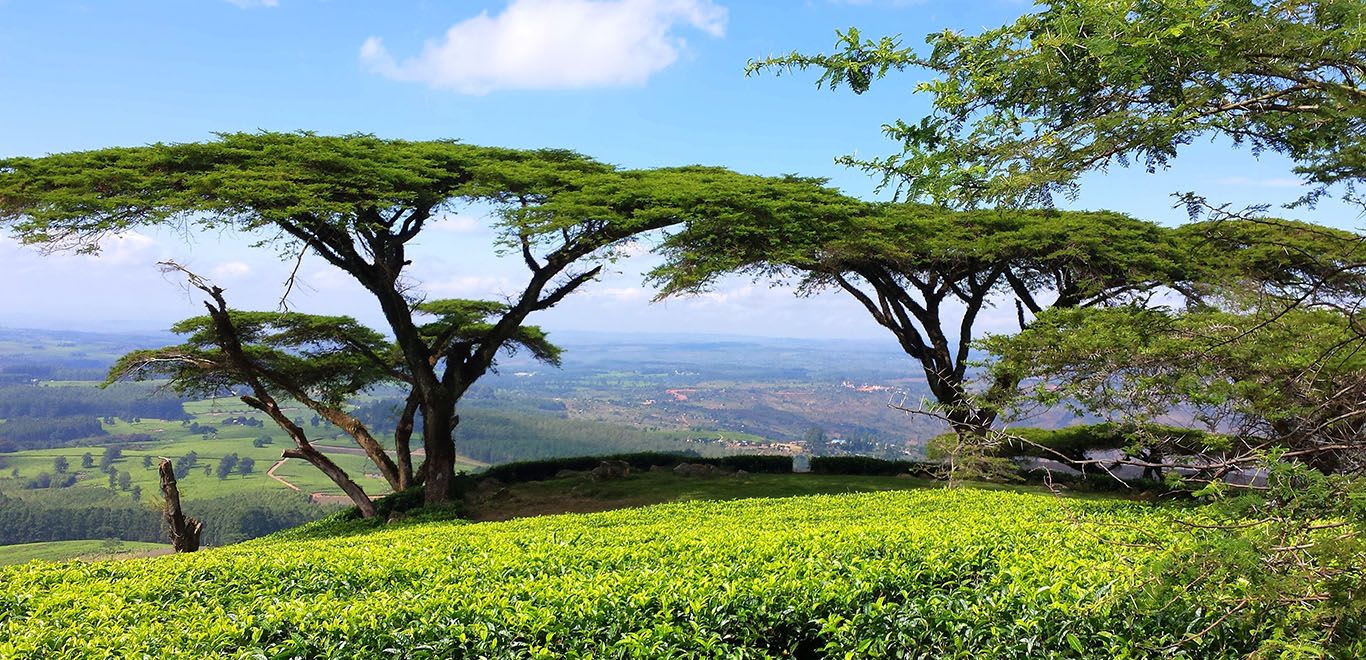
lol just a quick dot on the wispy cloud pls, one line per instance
(553, 44)
(231, 270)
(471, 286)
(1279, 182)
(459, 224)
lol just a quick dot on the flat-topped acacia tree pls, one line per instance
(926, 274)
(358, 201)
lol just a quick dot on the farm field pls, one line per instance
(950, 573)
(173, 439)
(67, 550)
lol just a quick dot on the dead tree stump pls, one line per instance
(183, 529)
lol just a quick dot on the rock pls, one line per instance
(695, 470)
(659, 468)
(488, 490)
(610, 470)
(565, 474)
(740, 473)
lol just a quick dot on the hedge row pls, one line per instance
(867, 465)
(548, 468)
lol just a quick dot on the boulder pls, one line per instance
(488, 490)
(610, 470)
(564, 474)
(696, 470)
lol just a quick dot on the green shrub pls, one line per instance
(1075, 441)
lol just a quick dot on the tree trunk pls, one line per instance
(403, 436)
(438, 427)
(184, 530)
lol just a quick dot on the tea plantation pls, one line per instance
(925, 573)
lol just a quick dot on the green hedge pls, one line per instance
(548, 468)
(867, 465)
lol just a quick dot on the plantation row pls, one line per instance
(935, 573)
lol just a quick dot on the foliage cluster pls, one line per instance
(19, 433)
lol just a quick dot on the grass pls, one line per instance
(580, 494)
(68, 550)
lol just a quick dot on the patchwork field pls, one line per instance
(88, 550)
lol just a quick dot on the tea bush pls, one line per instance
(929, 573)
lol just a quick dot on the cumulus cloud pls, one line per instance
(126, 248)
(553, 44)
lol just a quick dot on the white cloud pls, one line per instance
(459, 223)
(127, 248)
(619, 294)
(553, 44)
(230, 270)
(252, 4)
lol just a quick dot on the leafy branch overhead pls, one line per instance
(1022, 111)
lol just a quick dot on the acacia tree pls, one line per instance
(359, 201)
(926, 274)
(319, 362)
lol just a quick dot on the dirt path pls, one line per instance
(271, 473)
(324, 498)
(417, 453)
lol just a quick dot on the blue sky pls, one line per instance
(639, 83)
